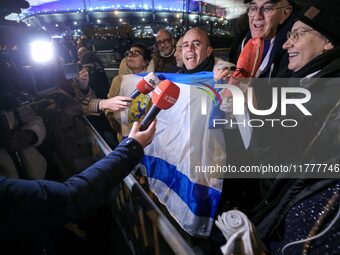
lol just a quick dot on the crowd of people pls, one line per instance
(284, 40)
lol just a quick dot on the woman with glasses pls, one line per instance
(137, 60)
(301, 215)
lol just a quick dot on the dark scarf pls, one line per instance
(321, 62)
(206, 65)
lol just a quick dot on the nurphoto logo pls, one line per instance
(243, 105)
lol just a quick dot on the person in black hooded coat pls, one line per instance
(296, 209)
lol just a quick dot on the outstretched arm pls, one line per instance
(28, 206)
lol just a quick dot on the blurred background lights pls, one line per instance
(41, 51)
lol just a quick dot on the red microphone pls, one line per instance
(165, 95)
(146, 85)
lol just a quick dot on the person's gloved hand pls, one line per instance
(20, 139)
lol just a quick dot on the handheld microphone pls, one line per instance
(165, 95)
(146, 85)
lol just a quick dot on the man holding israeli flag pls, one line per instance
(184, 145)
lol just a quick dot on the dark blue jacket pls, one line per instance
(28, 207)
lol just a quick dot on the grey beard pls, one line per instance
(166, 56)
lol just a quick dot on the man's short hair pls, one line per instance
(165, 31)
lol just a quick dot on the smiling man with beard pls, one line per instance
(165, 61)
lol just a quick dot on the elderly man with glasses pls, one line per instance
(260, 56)
(165, 60)
(269, 21)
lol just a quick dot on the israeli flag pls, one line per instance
(179, 161)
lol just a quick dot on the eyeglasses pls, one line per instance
(133, 53)
(164, 41)
(265, 10)
(297, 34)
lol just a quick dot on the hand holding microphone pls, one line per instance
(146, 85)
(165, 95)
(120, 103)
(117, 103)
(144, 137)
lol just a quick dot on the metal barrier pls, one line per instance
(111, 72)
(130, 204)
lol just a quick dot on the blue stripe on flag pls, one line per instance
(201, 200)
(186, 78)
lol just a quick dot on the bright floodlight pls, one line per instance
(41, 51)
